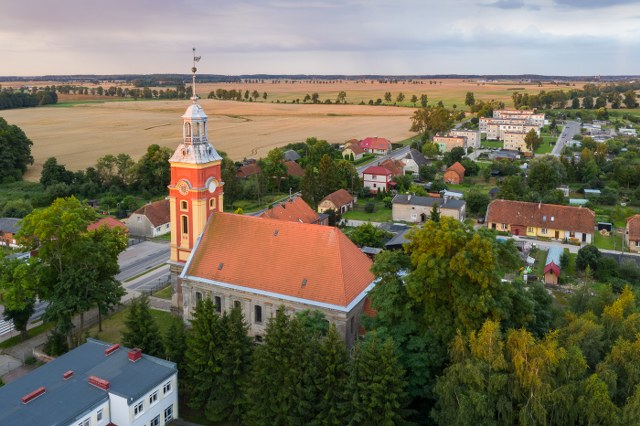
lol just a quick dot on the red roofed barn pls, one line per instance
(454, 174)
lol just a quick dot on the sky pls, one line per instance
(385, 37)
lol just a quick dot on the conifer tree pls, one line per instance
(377, 384)
(203, 345)
(333, 375)
(175, 342)
(142, 331)
(227, 403)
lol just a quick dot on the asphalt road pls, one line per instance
(570, 129)
(139, 258)
(397, 154)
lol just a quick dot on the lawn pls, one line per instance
(548, 141)
(380, 212)
(491, 144)
(113, 326)
(613, 242)
(165, 293)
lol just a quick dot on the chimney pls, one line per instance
(539, 205)
(135, 354)
(67, 375)
(33, 395)
(111, 349)
(99, 383)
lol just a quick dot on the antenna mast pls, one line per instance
(193, 71)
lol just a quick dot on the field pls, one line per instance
(82, 128)
(81, 133)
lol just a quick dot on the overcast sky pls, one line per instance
(559, 37)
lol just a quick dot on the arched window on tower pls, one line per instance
(185, 225)
(199, 134)
(183, 205)
(212, 203)
(187, 130)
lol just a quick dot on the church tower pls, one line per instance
(196, 188)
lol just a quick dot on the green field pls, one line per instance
(380, 213)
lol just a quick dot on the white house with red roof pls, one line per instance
(377, 178)
(377, 146)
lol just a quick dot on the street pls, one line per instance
(139, 258)
(397, 154)
(570, 129)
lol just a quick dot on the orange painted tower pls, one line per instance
(196, 188)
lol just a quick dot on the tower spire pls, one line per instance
(193, 71)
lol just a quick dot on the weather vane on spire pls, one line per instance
(193, 70)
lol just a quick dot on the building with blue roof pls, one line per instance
(95, 384)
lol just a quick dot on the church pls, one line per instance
(255, 263)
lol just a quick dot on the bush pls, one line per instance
(588, 256)
(370, 207)
(56, 344)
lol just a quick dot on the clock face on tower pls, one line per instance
(213, 185)
(183, 188)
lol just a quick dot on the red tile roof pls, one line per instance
(157, 212)
(375, 143)
(248, 170)
(312, 262)
(294, 169)
(295, 210)
(458, 168)
(339, 198)
(396, 167)
(355, 148)
(377, 170)
(566, 218)
(109, 222)
(633, 228)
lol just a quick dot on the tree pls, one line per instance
(274, 168)
(328, 180)
(434, 216)
(630, 99)
(423, 100)
(400, 97)
(377, 386)
(79, 266)
(15, 149)
(427, 172)
(469, 99)
(342, 97)
(53, 173)
(430, 149)
(315, 98)
(387, 97)
(368, 235)
(141, 328)
(477, 202)
(18, 290)
(588, 255)
(545, 173)
(432, 120)
(175, 343)
(414, 99)
(152, 171)
(587, 102)
(333, 375)
(455, 155)
(532, 140)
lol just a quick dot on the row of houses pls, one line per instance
(457, 138)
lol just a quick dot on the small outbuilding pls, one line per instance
(552, 265)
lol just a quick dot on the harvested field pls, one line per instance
(79, 134)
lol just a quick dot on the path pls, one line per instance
(570, 129)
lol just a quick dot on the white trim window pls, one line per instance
(85, 422)
(155, 421)
(138, 409)
(166, 388)
(153, 398)
(168, 414)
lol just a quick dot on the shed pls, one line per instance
(552, 265)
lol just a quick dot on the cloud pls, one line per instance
(594, 4)
(511, 5)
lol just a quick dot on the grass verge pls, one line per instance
(165, 293)
(113, 326)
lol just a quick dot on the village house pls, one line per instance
(9, 227)
(291, 155)
(454, 174)
(417, 209)
(247, 170)
(396, 167)
(109, 222)
(150, 220)
(260, 264)
(96, 383)
(413, 161)
(377, 178)
(339, 201)
(632, 233)
(294, 210)
(376, 146)
(560, 223)
(353, 152)
(294, 169)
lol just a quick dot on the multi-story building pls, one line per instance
(529, 115)
(377, 178)
(472, 137)
(95, 384)
(515, 141)
(562, 223)
(417, 209)
(496, 128)
(447, 142)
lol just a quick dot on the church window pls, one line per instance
(185, 225)
(183, 205)
(257, 314)
(198, 296)
(218, 303)
(236, 304)
(212, 203)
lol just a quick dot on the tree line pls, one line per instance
(10, 99)
(301, 373)
(591, 96)
(15, 152)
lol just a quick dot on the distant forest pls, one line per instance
(157, 80)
